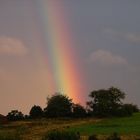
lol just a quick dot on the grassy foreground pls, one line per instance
(126, 125)
(35, 129)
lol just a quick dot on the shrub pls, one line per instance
(93, 137)
(126, 110)
(61, 135)
(78, 111)
(114, 136)
(15, 115)
(131, 108)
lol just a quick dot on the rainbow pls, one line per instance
(60, 49)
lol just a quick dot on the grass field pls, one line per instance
(35, 129)
(126, 125)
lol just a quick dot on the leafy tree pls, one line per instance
(78, 111)
(15, 115)
(58, 106)
(105, 102)
(36, 112)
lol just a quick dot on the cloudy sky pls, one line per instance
(106, 36)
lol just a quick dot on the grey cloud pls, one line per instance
(104, 57)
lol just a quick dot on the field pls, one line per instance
(128, 127)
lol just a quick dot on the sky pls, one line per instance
(70, 46)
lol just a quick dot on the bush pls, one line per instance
(78, 111)
(93, 137)
(132, 108)
(114, 136)
(61, 135)
(15, 115)
(126, 110)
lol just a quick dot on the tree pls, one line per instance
(58, 106)
(105, 102)
(36, 112)
(78, 111)
(15, 115)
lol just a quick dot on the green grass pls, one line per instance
(126, 125)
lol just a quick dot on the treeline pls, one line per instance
(103, 103)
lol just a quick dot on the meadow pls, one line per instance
(124, 125)
(127, 127)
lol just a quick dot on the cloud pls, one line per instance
(107, 58)
(12, 46)
(129, 36)
(133, 37)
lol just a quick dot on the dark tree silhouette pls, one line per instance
(126, 110)
(58, 106)
(15, 115)
(106, 102)
(78, 111)
(36, 112)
